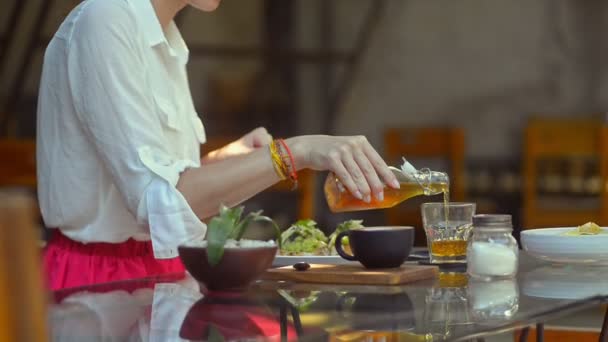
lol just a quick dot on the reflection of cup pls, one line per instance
(377, 247)
(378, 311)
(493, 301)
(447, 229)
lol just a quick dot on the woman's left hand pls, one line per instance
(257, 138)
(251, 141)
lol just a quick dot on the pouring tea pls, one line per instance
(412, 182)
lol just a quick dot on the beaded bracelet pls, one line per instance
(277, 160)
(292, 170)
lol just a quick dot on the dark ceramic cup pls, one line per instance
(378, 247)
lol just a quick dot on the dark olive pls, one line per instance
(301, 266)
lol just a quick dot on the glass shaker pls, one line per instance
(413, 183)
(492, 251)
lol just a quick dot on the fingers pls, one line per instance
(260, 137)
(345, 178)
(370, 174)
(357, 175)
(380, 166)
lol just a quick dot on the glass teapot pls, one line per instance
(413, 183)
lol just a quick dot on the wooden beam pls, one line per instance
(9, 35)
(326, 80)
(371, 22)
(279, 73)
(254, 52)
(22, 73)
(298, 56)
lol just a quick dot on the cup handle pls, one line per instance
(338, 245)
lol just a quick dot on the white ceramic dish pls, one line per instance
(565, 282)
(550, 244)
(288, 260)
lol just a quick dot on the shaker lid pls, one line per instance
(498, 221)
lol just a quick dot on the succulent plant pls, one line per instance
(229, 224)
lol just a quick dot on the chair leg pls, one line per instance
(604, 333)
(540, 332)
(523, 337)
(283, 319)
(295, 314)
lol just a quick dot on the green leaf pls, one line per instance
(228, 225)
(214, 335)
(306, 223)
(241, 227)
(234, 215)
(218, 232)
(277, 231)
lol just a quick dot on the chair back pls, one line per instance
(22, 291)
(563, 140)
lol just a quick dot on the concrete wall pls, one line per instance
(486, 65)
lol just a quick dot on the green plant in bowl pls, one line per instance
(228, 225)
(226, 261)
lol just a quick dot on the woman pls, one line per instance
(118, 147)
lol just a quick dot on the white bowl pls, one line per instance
(550, 244)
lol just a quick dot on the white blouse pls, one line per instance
(116, 127)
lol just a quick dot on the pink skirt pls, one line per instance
(70, 264)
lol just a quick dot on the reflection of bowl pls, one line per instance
(237, 269)
(570, 282)
(234, 317)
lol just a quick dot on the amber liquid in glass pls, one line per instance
(341, 200)
(448, 248)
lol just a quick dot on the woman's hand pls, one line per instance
(354, 161)
(251, 141)
(257, 138)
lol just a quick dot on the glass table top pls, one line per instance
(451, 307)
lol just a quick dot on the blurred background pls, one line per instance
(509, 97)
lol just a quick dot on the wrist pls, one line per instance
(299, 151)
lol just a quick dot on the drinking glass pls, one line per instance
(447, 227)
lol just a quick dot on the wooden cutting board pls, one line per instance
(353, 274)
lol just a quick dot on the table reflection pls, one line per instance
(142, 311)
(456, 303)
(494, 301)
(447, 308)
(173, 311)
(565, 282)
(236, 316)
(447, 305)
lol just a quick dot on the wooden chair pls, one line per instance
(306, 180)
(447, 143)
(22, 294)
(563, 139)
(18, 169)
(18, 163)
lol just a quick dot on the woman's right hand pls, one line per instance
(352, 159)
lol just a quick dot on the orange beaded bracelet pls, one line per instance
(292, 172)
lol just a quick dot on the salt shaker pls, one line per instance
(492, 252)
